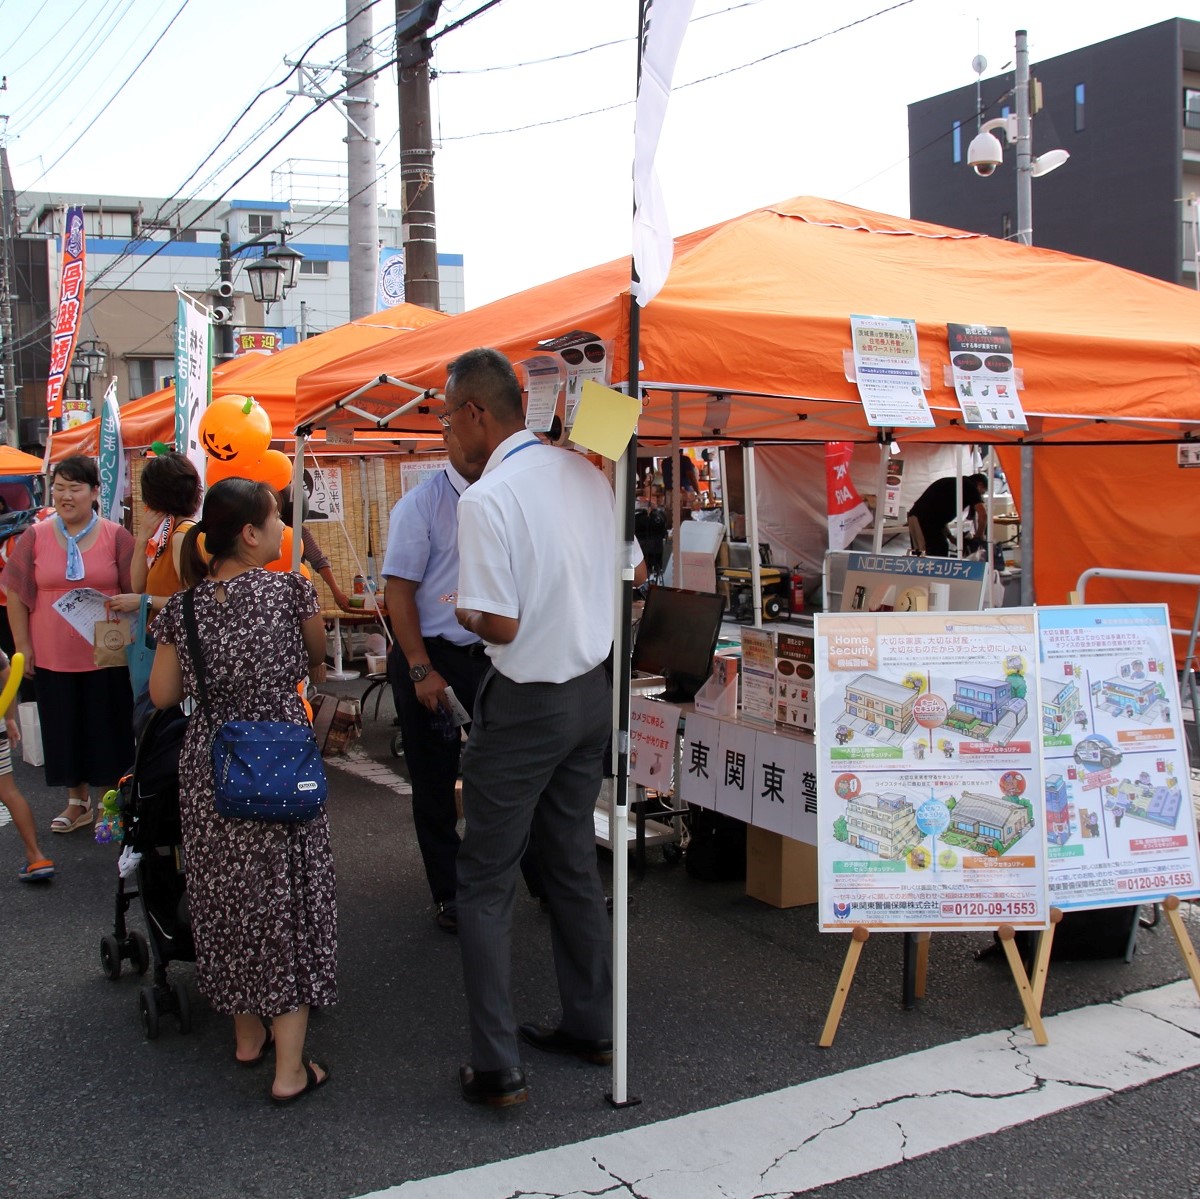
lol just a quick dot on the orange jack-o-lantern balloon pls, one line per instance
(235, 429)
(274, 468)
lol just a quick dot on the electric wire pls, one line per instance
(108, 103)
(591, 112)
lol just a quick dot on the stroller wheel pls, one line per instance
(397, 746)
(183, 1007)
(141, 952)
(148, 1005)
(110, 957)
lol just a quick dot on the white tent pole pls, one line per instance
(880, 493)
(676, 494)
(964, 462)
(618, 813)
(298, 500)
(752, 532)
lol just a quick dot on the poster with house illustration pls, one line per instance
(1119, 826)
(929, 790)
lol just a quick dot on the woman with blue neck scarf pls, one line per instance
(86, 711)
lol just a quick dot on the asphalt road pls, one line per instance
(727, 998)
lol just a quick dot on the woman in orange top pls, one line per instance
(171, 491)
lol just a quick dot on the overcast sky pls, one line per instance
(824, 115)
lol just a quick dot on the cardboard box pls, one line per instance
(780, 871)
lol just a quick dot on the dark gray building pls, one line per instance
(1127, 110)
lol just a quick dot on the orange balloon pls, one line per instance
(216, 470)
(235, 429)
(273, 468)
(284, 561)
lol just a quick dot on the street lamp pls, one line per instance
(89, 360)
(271, 277)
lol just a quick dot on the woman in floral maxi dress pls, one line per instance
(261, 895)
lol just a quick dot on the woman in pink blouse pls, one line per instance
(86, 711)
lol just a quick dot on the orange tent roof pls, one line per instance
(16, 462)
(757, 310)
(269, 378)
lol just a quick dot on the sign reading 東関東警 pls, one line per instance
(928, 771)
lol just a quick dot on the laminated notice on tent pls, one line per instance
(543, 380)
(888, 372)
(981, 364)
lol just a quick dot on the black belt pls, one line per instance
(475, 650)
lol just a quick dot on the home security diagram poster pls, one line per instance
(1119, 820)
(929, 784)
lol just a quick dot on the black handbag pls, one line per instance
(262, 769)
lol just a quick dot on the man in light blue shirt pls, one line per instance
(432, 652)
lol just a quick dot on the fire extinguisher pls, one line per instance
(797, 590)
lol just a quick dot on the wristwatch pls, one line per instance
(418, 672)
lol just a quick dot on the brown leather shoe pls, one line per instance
(496, 1088)
(554, 1040)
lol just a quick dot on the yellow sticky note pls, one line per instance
(604, 420)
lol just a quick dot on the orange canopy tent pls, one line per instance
(269, 378)
(756, 311)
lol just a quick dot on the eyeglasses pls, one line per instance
(444, 418)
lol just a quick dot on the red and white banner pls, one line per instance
(848, 514)
(70, 310)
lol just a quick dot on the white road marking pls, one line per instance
(356, 761)
(861, 1120)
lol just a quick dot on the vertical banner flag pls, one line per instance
(193, 376)
(70, 309)
(847, 512)
(112, 456)
(664, 24)
(389, 290)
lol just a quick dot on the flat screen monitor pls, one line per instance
(677, 637)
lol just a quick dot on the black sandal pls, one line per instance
(313, 1083)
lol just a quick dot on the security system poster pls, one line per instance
(928, 771)
(981, 364)
(887, 372)
(1119, 819)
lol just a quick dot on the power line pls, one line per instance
(591, 112)
(141, 62)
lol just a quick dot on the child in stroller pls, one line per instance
(152, 849)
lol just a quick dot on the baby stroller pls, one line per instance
(150, 809)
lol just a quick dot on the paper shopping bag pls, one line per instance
(31, 734)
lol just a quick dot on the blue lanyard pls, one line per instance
(518, 448)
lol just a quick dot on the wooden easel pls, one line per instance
(1186, 949)
(1170, 905)
(1006, 934)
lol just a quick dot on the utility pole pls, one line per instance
(8, 365)
(362, 215)
(413, 50)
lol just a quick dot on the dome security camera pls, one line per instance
(984, 154)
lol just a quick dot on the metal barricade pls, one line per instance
(1187, 676)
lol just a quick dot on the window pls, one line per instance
(147, 375)
(1080, 122)
(1191, 108)
(258, 222)
(314, 266)
(956, 141)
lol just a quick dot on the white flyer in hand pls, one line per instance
(83, 607)
(458, 713)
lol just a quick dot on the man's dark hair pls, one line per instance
(980, 481)
(486, 378)
(171, 485)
